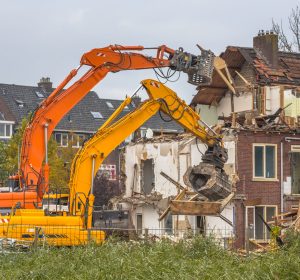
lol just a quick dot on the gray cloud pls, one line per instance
(47, 38)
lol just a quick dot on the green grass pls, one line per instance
(196, 259)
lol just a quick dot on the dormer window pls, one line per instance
(109, 104)
(20, 103)
(97, 115)
(39, 94)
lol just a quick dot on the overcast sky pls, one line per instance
(48, 37)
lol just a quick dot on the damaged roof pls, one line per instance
(286, 71)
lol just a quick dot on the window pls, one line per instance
(109, 104)
(109, 171)
(147, 176)
(20, 103)
(77, 140)
(295, 168)
(168, 224)
(97, 115)
(39, 94)
(5, 129)
(62, 139)
(254, 222)
(264, 161)
(139, 223)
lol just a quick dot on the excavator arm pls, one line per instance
(111, 134)
(101, 61)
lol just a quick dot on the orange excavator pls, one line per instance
(32, 180)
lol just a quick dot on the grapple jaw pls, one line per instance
(209, 181)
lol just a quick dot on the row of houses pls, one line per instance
(261, 128)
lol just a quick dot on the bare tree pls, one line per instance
(286, 44)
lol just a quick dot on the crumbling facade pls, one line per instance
(264, 119)
(148, 192)
(261, 127)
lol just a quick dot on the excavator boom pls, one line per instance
(76, 228)
(96, 149)
(101, 61)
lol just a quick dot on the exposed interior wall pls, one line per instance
(272, 94)
(173, 158)
(293, 98)
(164, 158)
(208, 113)
(224, 106)
(242, 103)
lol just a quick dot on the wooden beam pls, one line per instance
(195, 208)
(178, 197)
(177, 184)
(226, 200)
(253, 202)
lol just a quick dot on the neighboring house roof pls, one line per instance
(5, 113)
(19, 101)
(286, 72)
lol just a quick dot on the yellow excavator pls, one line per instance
(75, 227)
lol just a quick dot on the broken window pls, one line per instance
(257, 228)
(147, 176)
(264, 160)
(168, 224)
(295, 170)
(200, 222)
(139, 223)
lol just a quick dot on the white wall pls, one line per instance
(241, 103)
(167, 158)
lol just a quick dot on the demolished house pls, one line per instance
(153, 175)
(264, 118)
(261, 128)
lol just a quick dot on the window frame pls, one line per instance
(254, 220)
(60, 144)
(97, 115)
(264, 178)
(76, 141)
(109, 105)
(5, 124)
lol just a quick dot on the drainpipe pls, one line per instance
(287, 139)
(91, 198)
(46, 165)
(93, 170)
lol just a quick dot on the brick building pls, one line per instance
(264, 119)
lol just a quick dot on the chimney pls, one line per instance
(45, 84)
(266, 43)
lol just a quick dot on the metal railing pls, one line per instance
(77, 236)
